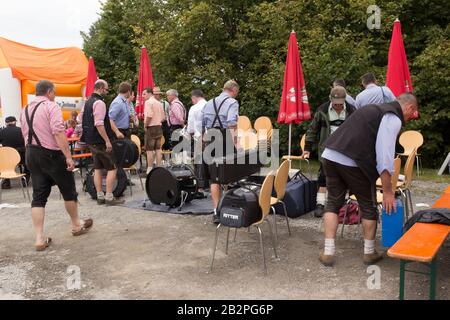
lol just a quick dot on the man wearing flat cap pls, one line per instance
(327, 120)
(11, 136)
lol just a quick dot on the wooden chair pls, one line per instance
(404, 185)
(137, 142)
(302, 148)
(264, 128)
(281, 180)
(264, 202)
(244, 123)
(248, 140)
(411, 140)
(9, 159)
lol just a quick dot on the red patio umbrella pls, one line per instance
(145, 81)
(294, 106)
(91, 78)
(398, 78)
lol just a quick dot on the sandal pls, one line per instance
(44, 246)
(87, 224)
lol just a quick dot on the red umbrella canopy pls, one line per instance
(294, 106)
(91, 78)
(398, 78)
(145, 80)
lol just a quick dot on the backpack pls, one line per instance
(352, 217)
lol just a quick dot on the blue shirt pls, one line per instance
(228, 114)
(374, 95)
(385, 146)
(119, 112)
(349, 99)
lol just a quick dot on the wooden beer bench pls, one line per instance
(421, 244)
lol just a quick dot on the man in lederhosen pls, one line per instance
(49, 160)
(220, 117)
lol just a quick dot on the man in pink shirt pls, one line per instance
(49, 160)
(153, 117)
(177, 114)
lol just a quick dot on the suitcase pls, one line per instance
(300, 197)
(239, 207)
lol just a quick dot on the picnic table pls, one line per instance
(421, 244)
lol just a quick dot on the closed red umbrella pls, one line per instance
(91, 78)
(398, 78)
(294, 106)
(145, 81)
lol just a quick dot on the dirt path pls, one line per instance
(133, 254)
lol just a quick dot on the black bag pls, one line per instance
(239, 208)
(300, 197)
(118, 190)
(126, 152)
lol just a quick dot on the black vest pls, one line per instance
(90, 133)
(356, 137)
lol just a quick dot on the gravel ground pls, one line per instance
(135, 254)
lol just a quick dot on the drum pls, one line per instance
(126, 152)
(172, 186)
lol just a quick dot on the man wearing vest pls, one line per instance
(49, 160)
(98, 132)
(362, 150)
(220, 114)
(327, 119)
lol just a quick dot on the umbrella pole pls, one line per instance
(290, 143)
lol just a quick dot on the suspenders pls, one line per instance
(31, 133)
(217, 118)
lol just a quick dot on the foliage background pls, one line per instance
(201, 44)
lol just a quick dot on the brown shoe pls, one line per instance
(87, 225)
(114, 202)
(326, 260)
(44, 246)
(372, 258)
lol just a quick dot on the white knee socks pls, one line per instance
(321, 198)
(369, 246)
(330, 247)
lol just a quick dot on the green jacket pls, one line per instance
(319, 129)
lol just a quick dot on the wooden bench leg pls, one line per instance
(433, 269)
(402, 280)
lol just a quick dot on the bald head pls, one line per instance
(410, 105)
(101, 87)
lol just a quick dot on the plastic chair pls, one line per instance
(281, 180)
(302, 147)
(244, 123)
(411, 140)
(9, 159)
(264, 203)
(137, 142)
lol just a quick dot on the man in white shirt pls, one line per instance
(373, 93)
(194, 129)
(195, 114)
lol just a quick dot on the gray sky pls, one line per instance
(47, 23)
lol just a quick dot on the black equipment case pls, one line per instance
(239, 207)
